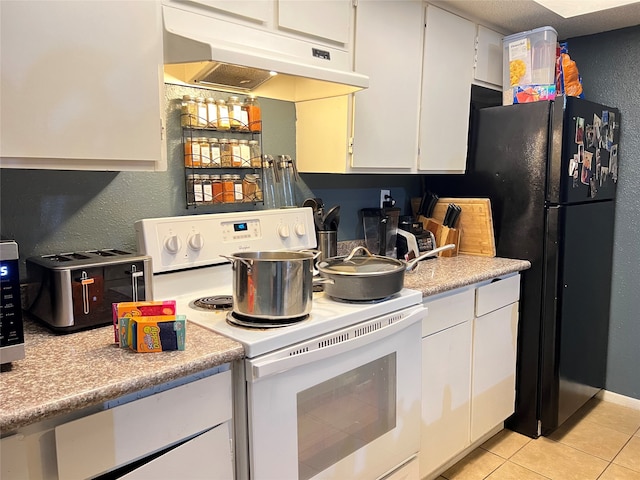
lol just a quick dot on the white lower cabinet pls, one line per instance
(495, 338)
(469, 343)
(180, 432)
(446, 379)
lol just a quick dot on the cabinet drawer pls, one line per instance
(497, 294)
(100, 442)
(447, 309)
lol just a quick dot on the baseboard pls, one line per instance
(619, 399)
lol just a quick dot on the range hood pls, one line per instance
(205, 51)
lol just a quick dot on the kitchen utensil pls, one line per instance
(272, 285)
(331, 219)
(367, 277)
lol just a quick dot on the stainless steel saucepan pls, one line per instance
(368, 277)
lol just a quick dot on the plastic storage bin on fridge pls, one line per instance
(529, 66)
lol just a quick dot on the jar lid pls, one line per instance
(233, 140)
(251, 177)
(253, 142)
(220, 101)
(224, 140)
(210, 100)
(213, 140)
(243, 142)
(233, 98)
(187, 97)
(214, 177)
(200, 100)
(236, 176)
(226, 176)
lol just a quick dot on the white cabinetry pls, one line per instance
(446, 378)
(495, 335)
(488, 63)
(374, 130)
(469, 343)
(449, 50)
(185, 431)
(82, 85)
(328, 20)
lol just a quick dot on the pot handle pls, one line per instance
(356, 250)
(232, 259)
(411, 266)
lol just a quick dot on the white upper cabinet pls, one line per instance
(82, 85)
(388, 48)
(374, 130)
(258, 11)
(328, 20)
(449, 50)
(488, 65)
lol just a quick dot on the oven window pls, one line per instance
(341, 415)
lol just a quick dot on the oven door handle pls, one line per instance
(328, 345)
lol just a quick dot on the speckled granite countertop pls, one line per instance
(64, 373)
(438, 275)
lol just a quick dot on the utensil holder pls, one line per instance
(327, 244)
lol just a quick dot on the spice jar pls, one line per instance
(223, 114)
(245, 153)
(236, 158)
(214, 152)
(228, 193)
(255, 154)
(216, 188)
(249, 186)
(254, 113)
(190, 191)
(235, 112)
(202, 112)
(207, 192)
(212, 113)
(225, 153)
(191, 151)
(188, 112)
(198, 195)
(205, 154)
(237, 188)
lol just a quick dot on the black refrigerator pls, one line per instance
(550, 169)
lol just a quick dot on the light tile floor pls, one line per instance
(600, 441)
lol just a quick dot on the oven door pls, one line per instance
(343, 405)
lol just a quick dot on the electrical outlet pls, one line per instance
(385, 196)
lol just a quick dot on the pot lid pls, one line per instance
(357, 265)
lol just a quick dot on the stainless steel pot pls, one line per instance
(272, 285)
(368, 277)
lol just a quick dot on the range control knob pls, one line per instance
(283, 231)
(172, 244)
(195, 241)
(300, 230)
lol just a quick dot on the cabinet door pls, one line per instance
(82, 85)
(493, 389)
(388, 49)
(449, 48)
(446, 387)
(206, 456)
(488, 65)
(255, 10)
(329, 20)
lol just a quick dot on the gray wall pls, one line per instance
(62, 211)
(609, 64)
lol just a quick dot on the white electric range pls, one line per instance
(365, 354)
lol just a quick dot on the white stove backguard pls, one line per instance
(179, 243)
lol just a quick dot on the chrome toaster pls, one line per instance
(75, 291)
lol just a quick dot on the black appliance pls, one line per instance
(550, 169)
(11, 326)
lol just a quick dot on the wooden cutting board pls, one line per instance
(475, 223)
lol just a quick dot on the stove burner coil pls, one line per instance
(239, 320)
(216, 302)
